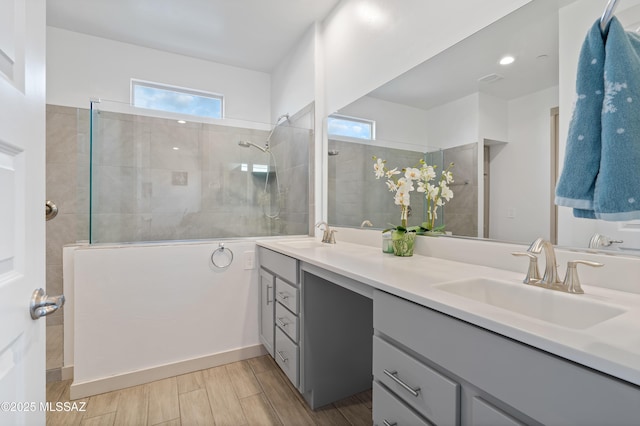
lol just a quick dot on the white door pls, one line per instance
(22, 202)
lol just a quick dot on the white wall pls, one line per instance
(397, 125)
(293, 80)
(455, 123)
(370, 43)
(520, 171)
(80, 67)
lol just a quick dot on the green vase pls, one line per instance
(403, 243)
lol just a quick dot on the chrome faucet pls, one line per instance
(571, 283)
(329, 234)
(550, 277)
(366, 222)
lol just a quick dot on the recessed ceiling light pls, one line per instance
(506, 60)
(181, 121)
(175, 148)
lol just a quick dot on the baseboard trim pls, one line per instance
(121, 381)
(67, 372)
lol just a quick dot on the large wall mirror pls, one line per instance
(497, 123)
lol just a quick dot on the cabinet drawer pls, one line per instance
(279, 264)
(483, 413)
(287, 322)
(389, 410)
(287, 356)
(430, 393)
(287, 295)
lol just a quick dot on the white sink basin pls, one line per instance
(567, 310)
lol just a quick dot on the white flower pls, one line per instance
(432, 192)
(390, 173)
(392, 186)
(405, 185)
(428, 173)
(421, 187)
(412, 173)
(402, 198)
(378, 167)
(446, 192)
(448, 176)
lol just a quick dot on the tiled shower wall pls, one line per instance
(155, 179)
(67, 174)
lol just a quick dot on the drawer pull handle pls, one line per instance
(282, 357)
(269, 288)
(386, 423)
(283, 296)
(394, 376)
(281, 323)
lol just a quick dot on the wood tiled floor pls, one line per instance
(251, 392)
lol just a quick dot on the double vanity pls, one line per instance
(445, 342)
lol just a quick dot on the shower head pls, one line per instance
(247, 144)
(278, 122)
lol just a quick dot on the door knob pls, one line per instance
(42, 305)
(50, 210)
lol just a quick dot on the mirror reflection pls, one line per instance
(504, 118)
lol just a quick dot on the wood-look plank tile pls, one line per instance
(102, 404)
(366, 398)
(133, 406)
(225, 405)
(63, 418)
(329, 415)
(286, 405)
(355, 411)
(102, 420)
(195, 409)
(243, 380)
(190, 382)
(262, 363)
(258, 411)
(56, 389)
(174, 422)
(163, 401)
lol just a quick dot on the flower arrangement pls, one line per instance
(401, 182)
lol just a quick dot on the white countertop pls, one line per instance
(612, 346)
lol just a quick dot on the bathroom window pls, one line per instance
(360, 128)
(162, 97)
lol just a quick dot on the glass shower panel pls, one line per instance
(158, 178)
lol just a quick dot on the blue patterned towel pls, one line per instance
(601, 175)
(617, 192)
(577, 182)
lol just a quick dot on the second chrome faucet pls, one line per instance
(550, 279)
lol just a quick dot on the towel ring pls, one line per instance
(222, 250)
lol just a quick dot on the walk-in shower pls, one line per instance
(161, 178)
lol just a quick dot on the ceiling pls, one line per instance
(252, 34)
(530, 34)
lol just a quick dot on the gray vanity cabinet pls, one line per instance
(279, 285)
(449, 372)
(267, 302)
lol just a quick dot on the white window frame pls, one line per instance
(370, 123)
(144, 83)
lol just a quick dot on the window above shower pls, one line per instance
(351, 127)
(162, 97)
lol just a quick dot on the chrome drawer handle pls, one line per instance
(394, 375)
(269, 288)
(281, 323)
(282, 357)
(386, 423)
(283, 296)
